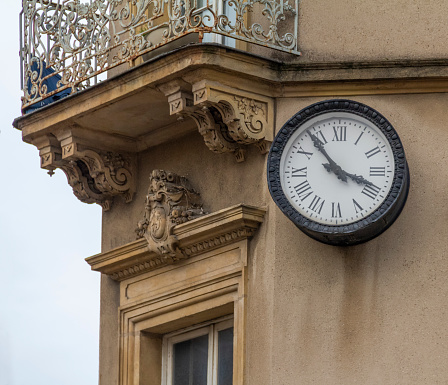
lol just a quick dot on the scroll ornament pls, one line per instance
(170, 201)
(96, 176)
(228, 119)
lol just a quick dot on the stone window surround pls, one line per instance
(215, 294)
(211, 282)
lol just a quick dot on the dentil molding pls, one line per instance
(194, 237)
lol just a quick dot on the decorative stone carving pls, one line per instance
(227, 118)
(215, 132)
(186, 252)
(193, 237)
(96, 176)
(219, 241)
(170, 201)
(246, 118)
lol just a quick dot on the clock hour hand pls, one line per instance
(337, 170)
(355, 178)
(331, 166)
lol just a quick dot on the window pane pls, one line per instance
(225, 356)
(190, 361)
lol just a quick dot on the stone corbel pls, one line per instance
(96, 176)
(170, 201)
(208, 120)
(227, 118)
(248, 116)
(50, 152)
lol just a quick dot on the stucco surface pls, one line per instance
(366, 30)
(373, 313)
(317, 314)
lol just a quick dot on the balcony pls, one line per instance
(70, 45)
(106, 80)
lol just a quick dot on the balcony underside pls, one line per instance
(130, 112)
(226, 94)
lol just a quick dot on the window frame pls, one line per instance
(187, 298)
(210, 328)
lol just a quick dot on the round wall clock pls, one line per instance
(338, 170)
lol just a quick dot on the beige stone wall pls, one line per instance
(361, 30)
(356, 30)
(221, 181)
(372, 30)
(374, 313)
(317, 314)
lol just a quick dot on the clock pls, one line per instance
(338, 170)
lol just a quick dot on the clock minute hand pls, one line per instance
(331, 166)
(358, 178)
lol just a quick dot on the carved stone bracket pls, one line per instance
(96, 176)
(193, 237)
(227, 118)
(170, 201)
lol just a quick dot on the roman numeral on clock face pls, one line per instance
(358, 207)
(371, 191)
(336, 210)
(301, 172)
(373, 152)
(321, 137)
(359, 137)
(303, 190)
(377, 171)
(316, 204)
(302, 151)
(340, 133)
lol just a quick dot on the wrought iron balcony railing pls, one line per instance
(66, 44)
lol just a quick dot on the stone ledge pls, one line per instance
(91, 108)
(195, 237)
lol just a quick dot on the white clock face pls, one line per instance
(337, 168)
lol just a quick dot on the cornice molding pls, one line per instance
(194, 237)
(268, 74)
(229, 95)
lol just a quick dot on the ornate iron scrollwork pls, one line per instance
(68, 42)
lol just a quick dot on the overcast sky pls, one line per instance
(49, 316)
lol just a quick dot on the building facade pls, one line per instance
(204, 279)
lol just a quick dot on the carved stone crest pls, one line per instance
(170, 201)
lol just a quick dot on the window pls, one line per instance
(205, 294)
(201, 355)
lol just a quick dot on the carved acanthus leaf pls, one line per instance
(96, 176)
(227, 119)
(215, 132)
(82, 184)
(245, 116)
(170, 201)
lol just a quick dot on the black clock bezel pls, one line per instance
(372, 225)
